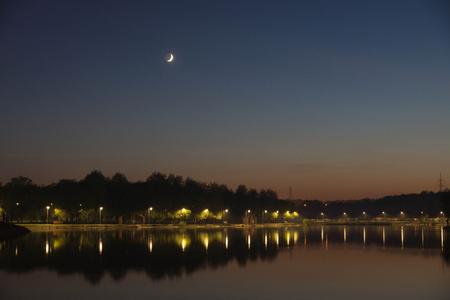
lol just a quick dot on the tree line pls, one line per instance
(163, 198)
(424, 205)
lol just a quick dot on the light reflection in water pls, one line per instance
(265, 240)
(321, 234)
(47, 245)
(273, 237)
(345, 235)
(150, 243)
(402, 236)
(422, 240)
(206, 241)
(364, 236)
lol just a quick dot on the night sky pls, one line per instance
(338, 99)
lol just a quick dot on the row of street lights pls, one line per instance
(100, 209)
(247, 212)
(402, 214)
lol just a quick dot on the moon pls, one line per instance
(169, 57)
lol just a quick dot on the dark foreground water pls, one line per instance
(314, 262)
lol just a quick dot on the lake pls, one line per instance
(305, 262)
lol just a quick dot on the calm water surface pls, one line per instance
(313, 262)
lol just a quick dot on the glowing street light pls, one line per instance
(101, 208)
(149, 215)
(48, 207)
(225, 215)
(264, 214)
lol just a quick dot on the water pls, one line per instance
(313, 262)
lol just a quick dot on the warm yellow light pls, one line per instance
(265, 211)
(151, 208)
(48, 207)
(248, 210)
(206, 210)
(226, 210)
(183, 210)
(101, 207)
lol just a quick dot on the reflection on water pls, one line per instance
(165, 253)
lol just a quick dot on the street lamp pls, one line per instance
(225, 215)
(364, 213)
(101, 208)
(264, 214)
(323, 216)
(48, 207)
(149, 216)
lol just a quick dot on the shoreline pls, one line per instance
(88, 227)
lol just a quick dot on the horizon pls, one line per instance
(346, 100)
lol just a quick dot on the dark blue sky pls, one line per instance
(340, 99)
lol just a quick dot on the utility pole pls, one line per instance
(441, 184)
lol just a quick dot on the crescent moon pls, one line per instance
(170, 59)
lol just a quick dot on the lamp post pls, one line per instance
(48, 207)
(264, 215)
(402, 215)
(225, 215)
(149, 214)
(323, 216)
(101, 208)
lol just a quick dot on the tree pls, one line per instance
(445, 200)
